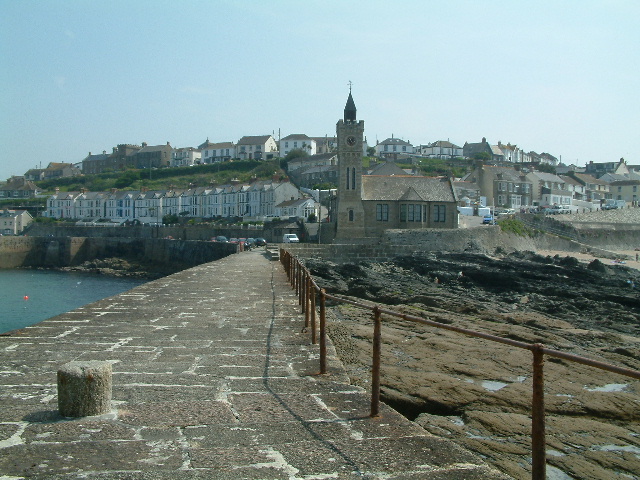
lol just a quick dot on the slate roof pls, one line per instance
(294, 203)
(254, 140)
(296, 136)
(547, 177)
(443, 144)
(97, 157)
(398, 187)
(387, 168)
(394, 141)
(216, 146)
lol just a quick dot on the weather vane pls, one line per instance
(350, 85)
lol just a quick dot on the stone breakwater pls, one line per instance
(214, 377)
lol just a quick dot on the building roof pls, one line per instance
(394, 141)
(13, 213)
(397, 187)
(319, 169)
(443, 144)
(296, 136)
(387, 168)
(547, 177)
(586, 179)
(254, 140)
(294, 203)
(569, 180)
(623, 183)
(215, 146)
(495, 149)
(18, 183)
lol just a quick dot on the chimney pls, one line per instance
(144, 144)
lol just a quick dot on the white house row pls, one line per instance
(251, 201)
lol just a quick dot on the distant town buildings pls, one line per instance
(13, 222)
(251, 201)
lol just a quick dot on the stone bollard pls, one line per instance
(84, 389)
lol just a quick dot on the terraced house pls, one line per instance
(255, 200)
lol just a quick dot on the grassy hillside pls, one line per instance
(165, 178)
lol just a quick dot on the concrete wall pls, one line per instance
(69, 251)
(407, 242)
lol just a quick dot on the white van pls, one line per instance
(290, 238)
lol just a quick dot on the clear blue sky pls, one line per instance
(85, 75)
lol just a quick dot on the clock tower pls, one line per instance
(350, 134)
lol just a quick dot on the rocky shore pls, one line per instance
(478, 392)
(120, 267)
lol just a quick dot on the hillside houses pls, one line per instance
(13, 222)
(18, 187)
(251, 201)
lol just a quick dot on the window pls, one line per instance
(439, 213)
(351, 215)
(348, 183)
(353, 178)
(414, 213)
(382, 212)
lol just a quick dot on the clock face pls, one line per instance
(351, 140)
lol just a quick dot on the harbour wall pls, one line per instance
(56, 252)
(487, 240)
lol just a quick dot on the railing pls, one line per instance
(306, 288)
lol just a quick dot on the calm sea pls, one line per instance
(30, 296)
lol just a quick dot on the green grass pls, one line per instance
(515, 226)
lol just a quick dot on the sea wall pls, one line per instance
(70, 251)
(487, 240)
(186, 232)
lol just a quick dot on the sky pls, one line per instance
(80, 76)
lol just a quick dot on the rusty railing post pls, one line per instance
(323, 333)
(375, 371)
(300, 290)
(538, 455)
(307, 288)
(314, 338)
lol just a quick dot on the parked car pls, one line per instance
(290, 238)
(221, 239)
(261, 242)
(488, 220)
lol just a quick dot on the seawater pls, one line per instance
(31, 296)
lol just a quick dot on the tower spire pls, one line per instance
(350, 108)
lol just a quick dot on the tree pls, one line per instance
(484, 156)
(170, 219)
(371, 151)
(545, 167)
(295, 153)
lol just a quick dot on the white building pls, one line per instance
(260, 147)
(300, 208)
(13, 222)
(218, 152)
(441, 149)
(392, 147)
(297, 141)
(185, 157)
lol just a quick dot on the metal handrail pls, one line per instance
(306, 288)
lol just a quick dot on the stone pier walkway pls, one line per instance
(212, 379)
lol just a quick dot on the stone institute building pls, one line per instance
(367, 205)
